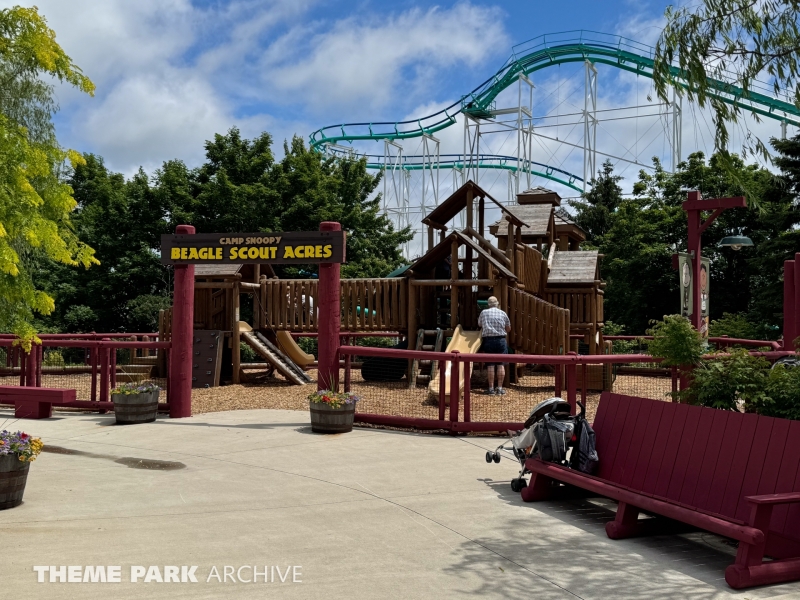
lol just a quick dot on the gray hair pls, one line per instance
(493, 302)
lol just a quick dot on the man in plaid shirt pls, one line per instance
(494, 324)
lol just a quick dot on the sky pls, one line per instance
(172, 73)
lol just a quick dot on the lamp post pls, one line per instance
(694, 207)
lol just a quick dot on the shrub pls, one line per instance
(247, 354)
(675, 341)
(735, 326)
(726, 381)
(53, 358)
(782, 393)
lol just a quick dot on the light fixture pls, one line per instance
(736, 242)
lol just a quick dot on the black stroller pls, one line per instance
(522, 444)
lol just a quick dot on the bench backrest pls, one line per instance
(704, 458)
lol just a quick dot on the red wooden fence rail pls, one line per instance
(569, 363)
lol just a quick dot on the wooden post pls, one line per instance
(795, 308)
(413, 290)
(430, 238)
(330, 317)
(236, 335)
(180, 368)
(256, 312)
(789, 315)
(453, 288)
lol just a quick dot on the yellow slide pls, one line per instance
(466, 342)
(292, 350)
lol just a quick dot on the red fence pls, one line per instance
(92, 364)
(536, 378)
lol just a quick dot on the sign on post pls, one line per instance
(687, 283)
(295, 247)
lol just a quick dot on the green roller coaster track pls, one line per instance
(540, 53)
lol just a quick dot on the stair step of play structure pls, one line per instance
(270, 352)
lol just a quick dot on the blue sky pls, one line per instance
(171, 73)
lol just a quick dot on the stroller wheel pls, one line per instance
(518, 484)
(488, 457)
(496, 457)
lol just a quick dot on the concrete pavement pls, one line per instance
(369, 514)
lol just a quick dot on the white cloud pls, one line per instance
(170, 74)
(370, 63)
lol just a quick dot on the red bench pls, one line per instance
(733, 474)
(33, 402)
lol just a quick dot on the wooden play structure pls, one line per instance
(548, 287)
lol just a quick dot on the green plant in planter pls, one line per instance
(333, 399)
(675, 341)
(723, 381)
(127, 389)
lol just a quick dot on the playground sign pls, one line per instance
(295, 247)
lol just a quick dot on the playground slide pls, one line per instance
(272, 354)
(290, 348)
(466, 342)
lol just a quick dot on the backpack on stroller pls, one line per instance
(554, 435)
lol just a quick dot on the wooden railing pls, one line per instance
(585, 305)
(289, 304)
(537, 327)
(374, 304)
(367, 304)
(528, 268)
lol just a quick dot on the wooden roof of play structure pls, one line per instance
(458, 201)
(539, 223)
(442, 250)
(575, 267)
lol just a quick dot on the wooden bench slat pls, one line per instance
(730, 443)
(615, 433)
(11, 391)
(640, 447)
(662, 440)
(629, 430)
(690, 462)
(740, 455)
(648, 445)
(714, 459)
(667, 465)
(752, 465)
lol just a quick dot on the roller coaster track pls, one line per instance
(484, 161)
(540, 53)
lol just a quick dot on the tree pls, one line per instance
(238, 188)
(733, 41)
(35, 205)
(647, 229)
(595, 213)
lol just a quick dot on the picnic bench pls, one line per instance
(35, 402)
(733, 474)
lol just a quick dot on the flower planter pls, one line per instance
(13, 476)
(130, 409)
(325, 419)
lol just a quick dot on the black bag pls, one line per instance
(552, 437)
(584, 455)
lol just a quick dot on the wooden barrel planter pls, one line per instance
(13, 476)
(130, 409)
(325, 419)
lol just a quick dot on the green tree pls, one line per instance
(644, 231)
(595, 213)
(733, 41)
(35, 205)
(240, 187)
